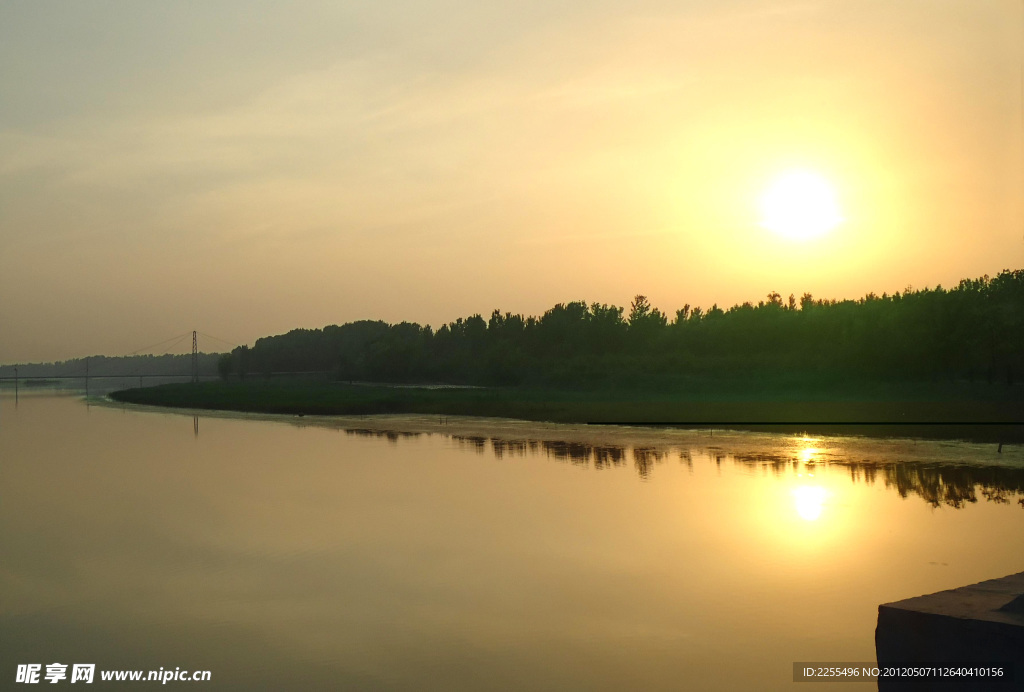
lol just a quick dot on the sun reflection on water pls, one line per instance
(808, 455)
(809, 501)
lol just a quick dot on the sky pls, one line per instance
(246, 168)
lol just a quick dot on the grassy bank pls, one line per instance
(930, 410)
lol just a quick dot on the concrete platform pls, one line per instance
(981, 625)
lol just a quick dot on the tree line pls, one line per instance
(166, 365)
(974, 331)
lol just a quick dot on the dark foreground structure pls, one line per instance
(969, 629)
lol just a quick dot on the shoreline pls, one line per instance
(594, 411)
(488, 434)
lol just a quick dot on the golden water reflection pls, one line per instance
(299, 555)
(947, 484)
(806, 516)
(809, 501)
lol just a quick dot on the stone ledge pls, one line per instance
(980, 624)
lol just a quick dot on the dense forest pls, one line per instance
(974, 331)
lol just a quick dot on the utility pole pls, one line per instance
(195, 359)
(15, 384)
(86, 378)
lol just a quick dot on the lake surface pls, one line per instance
(408, 554)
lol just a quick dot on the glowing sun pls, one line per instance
(800, 205)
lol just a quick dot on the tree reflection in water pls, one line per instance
(392, 436)
(938, 484)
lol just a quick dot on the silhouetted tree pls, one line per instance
(973, 330)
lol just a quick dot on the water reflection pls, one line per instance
(293, 556)
(392, 436)
(937, 483)
(809, 501)
(605, 457)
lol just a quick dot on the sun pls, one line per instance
(800, 205)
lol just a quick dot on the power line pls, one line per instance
(166, 350)
(160, 343)
(223, 341)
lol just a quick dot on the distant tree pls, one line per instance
(645, 322)
(640, 309)
(225, 364)
(242, 357)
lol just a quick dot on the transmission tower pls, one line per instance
(195, 359)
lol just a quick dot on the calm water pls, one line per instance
(280, 555)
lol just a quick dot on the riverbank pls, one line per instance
(924, 410)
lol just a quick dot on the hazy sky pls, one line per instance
(245, 168)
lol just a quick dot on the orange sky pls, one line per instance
(247, 168)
